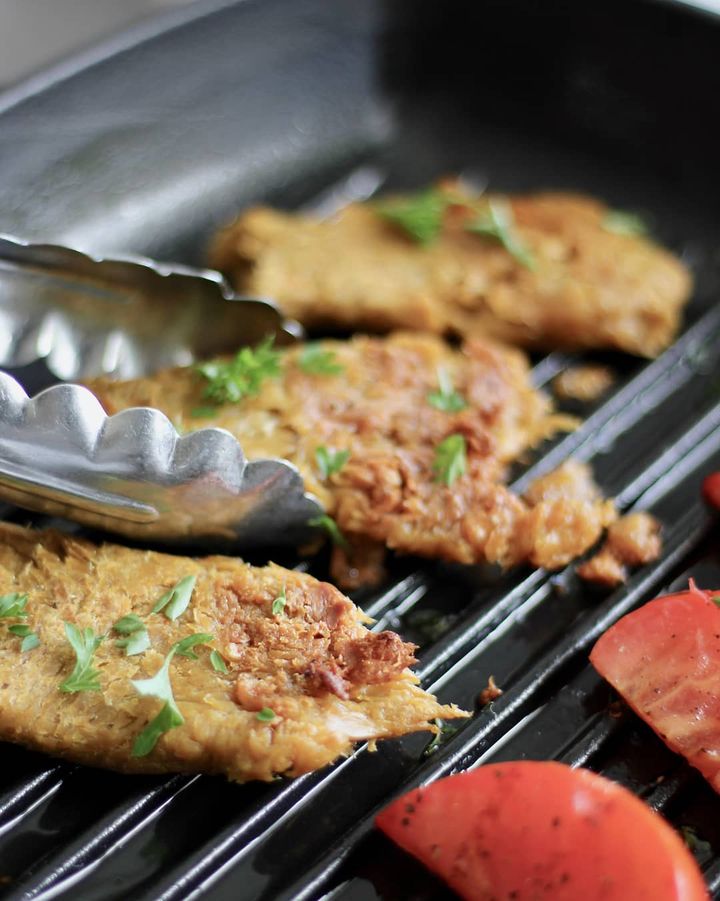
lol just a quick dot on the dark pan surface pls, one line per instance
(169, 132)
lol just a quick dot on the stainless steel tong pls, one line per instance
(132, 473)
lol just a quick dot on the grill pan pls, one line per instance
(147, 144)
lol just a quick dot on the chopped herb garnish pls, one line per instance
(30, 642)
(30, 638)
(314, 359)
(159, 687)
(330, 461)
(129, 624)
(496, 222)
(419, 215)
(629, 225)
(229, 381)
(84, 642)
(266, 715)
(446, 398)
(138, 638)
(137, 643)
(13, 605)
(175, 601)
(278, 605)
(450, 460)
(332, 528)
(444, 732)
(218, 664)
(185, 646)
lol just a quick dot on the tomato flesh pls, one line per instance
(711, 489)
(664, 659)
(541, 830)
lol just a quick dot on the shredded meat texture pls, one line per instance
(387, 493)
(632, 540)
(583, 383)
(329, 681)
(589, 287)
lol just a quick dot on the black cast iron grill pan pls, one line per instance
(172, 128)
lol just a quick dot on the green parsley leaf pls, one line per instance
(175, 602)
(629, 225)
(278, 605)
(446, 398)
(138, 639)
(30, 638)
(184, 646)
(30, 642)
(218, 664)
(126, 625)
(229, 381)
(331, 527)
(450, 459)
(315, 360)
(168, 718)
(419, 215)
(330, 461)
(137, 643)
(159, 687)
(496, 222)
(13, 605)
(83, 677)
(444, 732)
(266, 715)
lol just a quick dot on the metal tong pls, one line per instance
(132, 473)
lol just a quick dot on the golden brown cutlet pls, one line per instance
(376, 409)
(303, 683)
(589, 287)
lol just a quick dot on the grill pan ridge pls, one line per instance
(170, 131)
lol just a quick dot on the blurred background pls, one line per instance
(34, 33)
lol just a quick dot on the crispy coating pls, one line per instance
(377, 409)
(583, 383)
(632, 540)
(329, 681)
(589, 287)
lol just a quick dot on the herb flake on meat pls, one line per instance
(446, 398)
(218, 663)
(175, 601)
(332, 528)
(419, 215)
(450, 459)
(315, 360)
(330, 461)
(629, 225)
(83, 677)
(159, 686)
(497, 223)
(229, 381)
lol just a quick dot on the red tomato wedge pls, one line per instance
(711, 489)
(530, 830)
(664, 659)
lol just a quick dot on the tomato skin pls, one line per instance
(541, 830)
(664, 659)
(711, 489)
